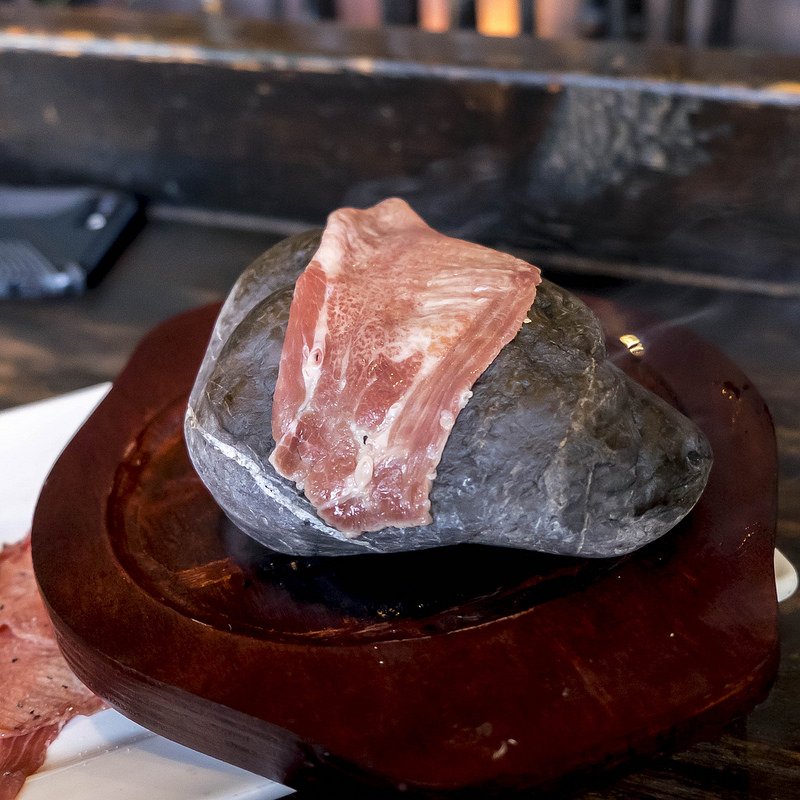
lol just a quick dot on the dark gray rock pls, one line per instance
(557, 451)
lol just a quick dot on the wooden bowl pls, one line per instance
(459, 670)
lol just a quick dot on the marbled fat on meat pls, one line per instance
(390, 325)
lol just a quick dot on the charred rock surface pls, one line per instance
(557, 451)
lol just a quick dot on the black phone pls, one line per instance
(61, 240)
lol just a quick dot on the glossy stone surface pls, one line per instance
(557, 451)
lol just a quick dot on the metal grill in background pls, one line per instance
(771, 25)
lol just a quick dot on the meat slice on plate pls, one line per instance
(21, 607)
(39, 692)
(390, 325)
(21, 756)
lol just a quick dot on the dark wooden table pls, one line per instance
(55, 346)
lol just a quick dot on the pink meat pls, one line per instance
(21, 756)
(21, 607)
(39, 693)
(38, 686)
(390, 325)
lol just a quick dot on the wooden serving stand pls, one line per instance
(463, 670)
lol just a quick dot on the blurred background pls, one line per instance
(773, 24)
(651, 131)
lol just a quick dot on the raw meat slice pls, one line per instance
(390, 325)
(38, 686)
(21, 756)
(39, 692)
(21, 606)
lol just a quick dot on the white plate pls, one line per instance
(105, 755)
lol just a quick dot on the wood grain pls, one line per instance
(174, 619)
